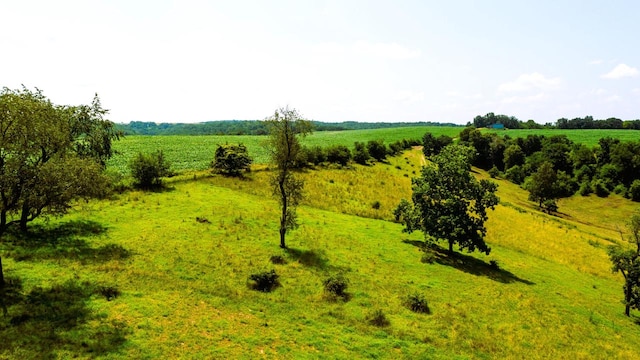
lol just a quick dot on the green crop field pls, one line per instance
(196, 152)
(137, 276)
(588, 137)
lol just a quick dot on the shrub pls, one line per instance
(515, 174)
(264, 281)
(231, 160)
(620, 189)
(317, 155)
(377, 318)
(494, 172)
(376, 205)
(550, 206)
(417, 303)
(148, 169)
(377, 149)
(336, 286)
(634, 190)
(338, 154)
(600, 188)
(585, 188)
(360, 153)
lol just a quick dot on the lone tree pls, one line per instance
(49, 155)
(231, 160)
(283, 146)
(542, 186)
(449, 203)
(627, 262)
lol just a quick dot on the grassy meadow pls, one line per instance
(137, 276)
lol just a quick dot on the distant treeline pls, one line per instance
(587, 122)
(250, 127)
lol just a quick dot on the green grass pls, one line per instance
(183, 283)
(196, 152)
(588, 137)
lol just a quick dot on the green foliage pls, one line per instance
(600, 188)
(49, 155)
(449, 203)
(585, 188)
(550, 206)
(627, 262)
(231, 160)
(494, 172)
(338, 154)
(432, 145)
(377, 149)
(515, 174)
(360, 153)
(285, 126)
(336, 286)
(264, 281)
(513, 156)
(542, 185)
(417, 303)
(148, 169)
(634, 190)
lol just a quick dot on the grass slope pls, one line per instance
(588, 137)
(184, 291)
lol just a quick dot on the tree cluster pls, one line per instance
(231, 160)
(587, 122)
(553, 167)
(626, 260)
(49, 155)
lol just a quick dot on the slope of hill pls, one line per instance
(138, 276)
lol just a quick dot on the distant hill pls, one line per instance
(251, 127)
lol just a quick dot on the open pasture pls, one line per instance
(178, 286)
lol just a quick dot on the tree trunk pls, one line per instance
(450, 247)
(1, 275)
(24, 217)
(627, 298)
(3, 221)
(283, 217)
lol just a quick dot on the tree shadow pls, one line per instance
(309, 258)
(48, 320)
(62, 241)
(467, 263)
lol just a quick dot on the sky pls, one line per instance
(332, 60)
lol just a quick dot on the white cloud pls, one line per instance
(621, 71)
(523, 99)
(531, 81)
(596, 62)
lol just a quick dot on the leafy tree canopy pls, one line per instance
(449, 204)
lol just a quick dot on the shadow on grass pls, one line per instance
(309, 258)
(62, 241)
(46, 321)
(467, 263)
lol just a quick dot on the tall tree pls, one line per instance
(542, 184)
(627, 262)
(285, 126)
(449, 203)
(49, 155)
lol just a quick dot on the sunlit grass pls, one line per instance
(184, 290)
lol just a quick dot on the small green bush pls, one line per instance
(494, 172)
(620, 189)
(600, 188)
(417, 303)
(377, 318)
(376, 205)
(148, 169)
(585, 188)
(336, 286)
(264, 281)
(231, 160)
